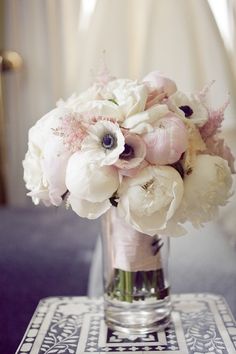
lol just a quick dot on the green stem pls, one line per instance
(122, 285)
(128, 286)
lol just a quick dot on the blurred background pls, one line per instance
(52, 48)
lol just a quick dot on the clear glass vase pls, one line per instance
(135, 267)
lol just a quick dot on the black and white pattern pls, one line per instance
(201, 324)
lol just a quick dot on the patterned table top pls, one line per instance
(201, 323)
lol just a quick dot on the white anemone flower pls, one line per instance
(105, 142)
(188, 108)
(149, 200)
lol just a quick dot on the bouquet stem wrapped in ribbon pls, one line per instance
(134, 266)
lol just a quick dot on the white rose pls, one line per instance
(129, 95)
(105, 142)
(150, 199)
(45, 161)
(90, 186)
(205, 189)
(188, 108)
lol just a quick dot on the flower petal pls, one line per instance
(86, 209)
(86, 180)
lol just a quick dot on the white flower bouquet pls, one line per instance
(142, 149)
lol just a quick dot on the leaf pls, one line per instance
(67, 331)
(208, 344)
(64, 335)
(61, 325)
(70, 327)
(199, 346)
(50, 334)
(219, 351)
(46, 346)
(211, 348)
(62, 351)
(53, 330)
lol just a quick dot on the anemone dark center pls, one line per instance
(187, 111)
(108, 141)
(128, 153)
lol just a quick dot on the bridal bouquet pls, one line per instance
(142, 147)
(151, 156)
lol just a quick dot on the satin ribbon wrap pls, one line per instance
(128, 249)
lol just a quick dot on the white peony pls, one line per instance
(129, 95)
(105, 141)
(74, 101)
(90, 186)
(144, 122)
(101, 109)
(188, 108)
(205, 189)
(150, 199)
(46, 159)
(86, 209)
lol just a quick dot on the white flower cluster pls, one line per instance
(142, 147)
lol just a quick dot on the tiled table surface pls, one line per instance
(201, 323)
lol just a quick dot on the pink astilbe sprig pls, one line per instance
(73, 130)
(94, 119)
(214, 123)
(204, 92)
(216, 146)
(103, 76)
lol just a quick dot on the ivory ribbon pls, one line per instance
(131, 250)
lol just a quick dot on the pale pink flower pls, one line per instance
(73, 130)
(216, 146)
(132, 172)
(159, 87)
(133, 155)
(167, 142)
(214, 122)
